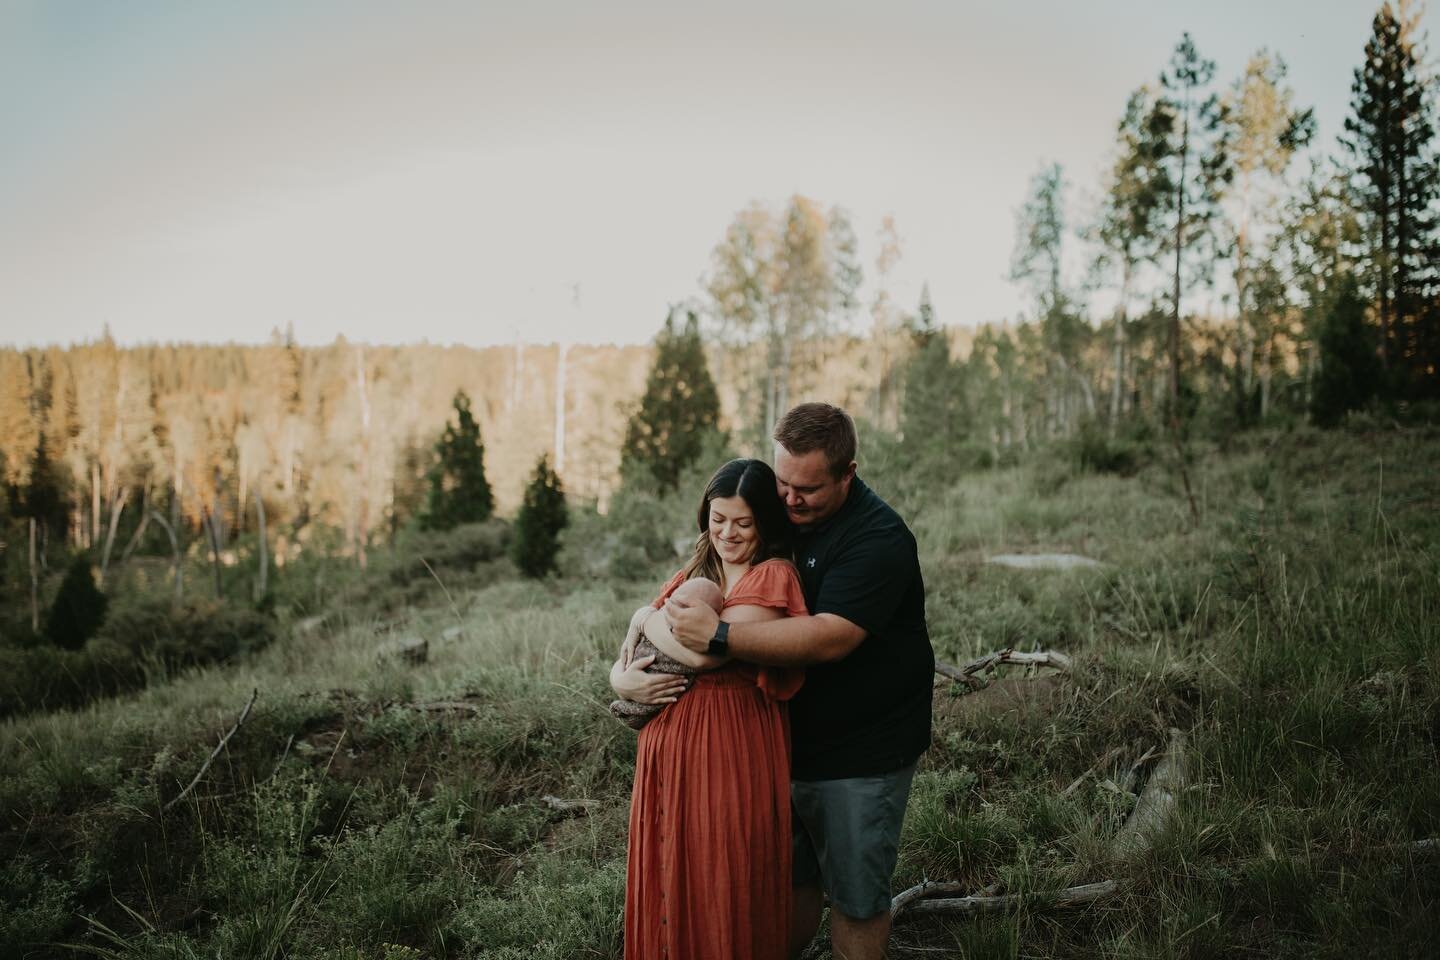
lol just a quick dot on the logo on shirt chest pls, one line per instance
(810, 562)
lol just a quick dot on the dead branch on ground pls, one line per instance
(575, 807)
(1099, 765)
(1069, 897)
(928, 888)
(213, 753)
(967, 673)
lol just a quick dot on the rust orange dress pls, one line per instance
(708, 872)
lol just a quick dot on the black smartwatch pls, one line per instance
(720, 643)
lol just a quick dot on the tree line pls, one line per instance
(1221, 289)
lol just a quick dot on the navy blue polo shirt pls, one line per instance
(869, 713)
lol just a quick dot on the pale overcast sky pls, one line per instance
(201, 171)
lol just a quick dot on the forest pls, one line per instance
(405, 568)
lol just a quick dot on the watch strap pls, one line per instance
(720, 643)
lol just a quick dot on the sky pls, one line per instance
(481, 173)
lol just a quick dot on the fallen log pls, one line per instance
(927, 888)
(1069, 897)
(1158, 801)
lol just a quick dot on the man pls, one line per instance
(862, 719)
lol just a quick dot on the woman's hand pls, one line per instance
(632, 634)
(631, 682)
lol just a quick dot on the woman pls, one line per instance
(709, 850)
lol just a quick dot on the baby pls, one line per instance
(636, 715)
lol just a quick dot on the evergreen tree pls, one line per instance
(1349, 367)
(78, 610)
(459, 492)
(1391, 139)
(44, 495)
(537, 527)
(679, 408)
(933, 414)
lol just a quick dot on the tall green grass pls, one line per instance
(372, 809)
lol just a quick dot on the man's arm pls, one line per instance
(657, 631)
(788, 642)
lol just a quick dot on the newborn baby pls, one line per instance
(636, 715)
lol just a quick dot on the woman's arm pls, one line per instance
(631, 682)
(628, 677)
(657, 631)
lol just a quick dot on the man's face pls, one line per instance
(810, 491)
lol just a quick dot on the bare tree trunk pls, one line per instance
(174, 553)
(115, 511)
(34, 583)
(1179, 252)
(208, 518)
(262, 586)
(1265, 374)
(94, 530)
(1245, 339)
(287, 465)
(560, 364)
(139, 533)
(1117, 388)
(770, 415)
(518, 372)
(783, 400)
(363, 518)
(244, 492)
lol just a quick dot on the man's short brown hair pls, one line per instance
(819, 426)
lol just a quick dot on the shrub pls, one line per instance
(459, 491)
(1094, 450)
(78, 610)
(143, 640)
(537, 528)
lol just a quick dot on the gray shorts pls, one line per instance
(847, 836)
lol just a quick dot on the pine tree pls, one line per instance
(679, 408)
(45, 495)
(459, 492)
(537, 527)
(1391, 138)
(78, 610)
(1349, 367)
(933, 414)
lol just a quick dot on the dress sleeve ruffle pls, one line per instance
(773, 584)
(776, 585)
(668, 589)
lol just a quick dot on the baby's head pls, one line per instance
(700, 590)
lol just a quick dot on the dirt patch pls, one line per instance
(1001, 696)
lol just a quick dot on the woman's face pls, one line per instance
(733, 533)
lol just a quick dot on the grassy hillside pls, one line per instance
(371, 808)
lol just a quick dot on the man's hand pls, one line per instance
(633, 683)
(693, 624)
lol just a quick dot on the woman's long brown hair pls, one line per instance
(754, 482)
